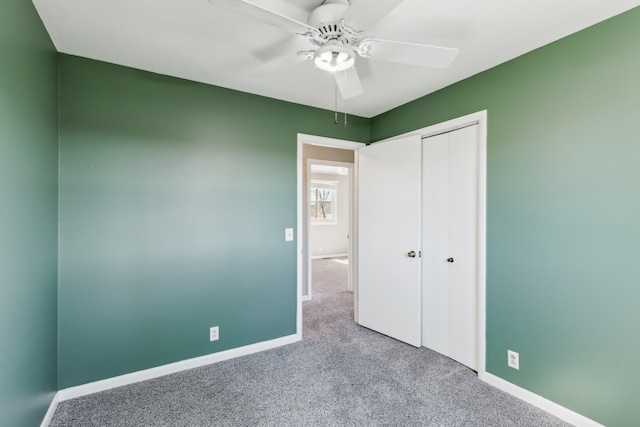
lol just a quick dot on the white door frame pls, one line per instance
(479, 118)
(353, 241)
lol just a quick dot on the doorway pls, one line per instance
(323, 152)
(329, 221)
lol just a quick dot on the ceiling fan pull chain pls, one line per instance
(335, 105)
(345, 99)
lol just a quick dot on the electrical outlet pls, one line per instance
(214, 333)
(513, 359)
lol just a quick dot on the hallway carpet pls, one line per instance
(340, 374)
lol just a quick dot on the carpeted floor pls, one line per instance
(339, 375)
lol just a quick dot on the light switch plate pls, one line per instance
(288, 234)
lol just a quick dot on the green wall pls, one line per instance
(563, 226)
(28, 215)
(174, 197)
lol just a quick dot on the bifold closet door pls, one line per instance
(449, 244)
(389, 238)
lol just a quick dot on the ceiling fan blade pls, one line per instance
(288, 45)
(275, 65)
(280, 55)
(422, 55)
(348, 83)
(259, 13)
(363, 14)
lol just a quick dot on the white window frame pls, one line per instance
(327, 185)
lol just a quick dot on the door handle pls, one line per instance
(411, 254)
(449, 259)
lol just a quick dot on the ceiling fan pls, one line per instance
(337, 30)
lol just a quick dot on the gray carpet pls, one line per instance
(338, 375)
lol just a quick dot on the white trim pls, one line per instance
(171, 368)
(482, 241)
(329, 142)
(547, 405)
(329, 256)
(327, 185)
(299, 242)
(450, 125)
(52, 410)
(353, 237)
(327, 182)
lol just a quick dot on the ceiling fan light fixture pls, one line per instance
(334, 58)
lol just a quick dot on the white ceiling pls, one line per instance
(193, 40)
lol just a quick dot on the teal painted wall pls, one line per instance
(28, 215)
(563, 214)
(174, 197)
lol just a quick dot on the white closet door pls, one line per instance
(450, 240)
(435, 243)
(389, 231)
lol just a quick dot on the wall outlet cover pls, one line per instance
(214, 333)
(513, 359)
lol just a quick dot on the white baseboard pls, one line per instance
(52, 410)
(553, 408)
(329, 256)
(306, 298)
(171, 368)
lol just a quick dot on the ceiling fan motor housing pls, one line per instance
(329, 26)
(327, 16)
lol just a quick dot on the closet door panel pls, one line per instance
(435, 236)
(389, 238)
(463, 232)
(449, 241)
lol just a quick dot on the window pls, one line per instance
(322, 198)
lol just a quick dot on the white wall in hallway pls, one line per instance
(332, 239)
